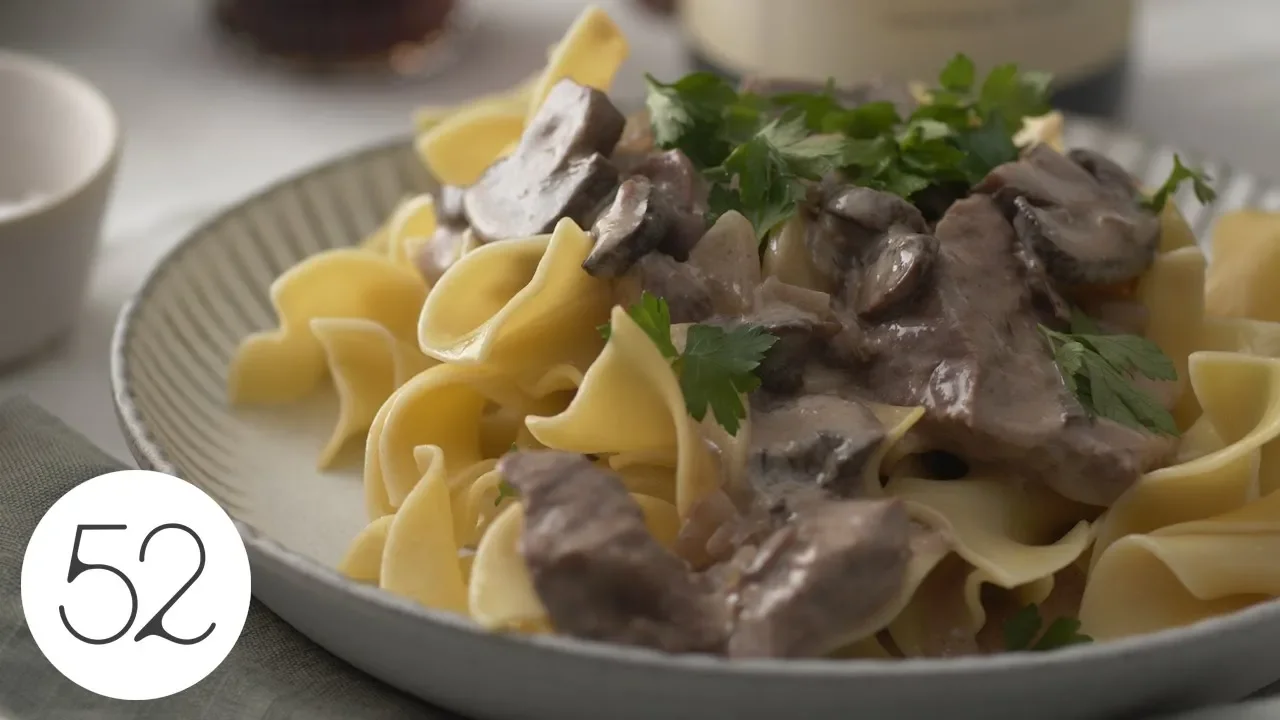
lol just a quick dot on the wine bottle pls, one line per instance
(1084, 43)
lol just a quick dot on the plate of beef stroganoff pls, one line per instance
(764, 399)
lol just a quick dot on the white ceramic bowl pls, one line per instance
(59, 147)
(169, 365)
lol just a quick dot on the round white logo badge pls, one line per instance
(135, 585)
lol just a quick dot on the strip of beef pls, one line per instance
(1080, 215)
(560, 169)
(819, 578)
(595, 566)
(970, 352)
(680, 284)
(809, 448)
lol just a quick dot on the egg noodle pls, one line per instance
(503, 350)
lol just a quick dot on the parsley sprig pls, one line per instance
(760, 153)
(717, 366)
(1180, 174)
(1021, 631)
(1098, 370)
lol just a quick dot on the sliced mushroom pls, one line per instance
(452, 206)
(853, 220)
(680, 195)
(801, 335)
(898, 269)
(728, 256)
(629, 229)
(811, 447)
(1083, 221)
(560, 169)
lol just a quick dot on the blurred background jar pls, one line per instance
(403, 37)
(1084, 43)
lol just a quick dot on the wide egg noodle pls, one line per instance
(519, 304)
(1241, 395)
(285, 364)
(367, 363)
(590, 54)
(631, 402)
(440, 406)
(363, 561)
(1175, 316)
(501, 593)
(458, 146)
(1011, 534)
(1189, 555)
(420, 559)
(1246, 262)
(927, 548)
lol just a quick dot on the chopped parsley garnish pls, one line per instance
(505, 490)
(1179, 174)
(717, 364)
(1098, 370)
(1021, 631)
(760, 153)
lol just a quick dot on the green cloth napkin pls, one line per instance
(273, 673)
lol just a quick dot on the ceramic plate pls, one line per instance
(169, 361)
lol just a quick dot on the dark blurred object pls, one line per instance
(661, 7)
(1085, 44)
(404, 36)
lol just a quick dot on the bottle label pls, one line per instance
(857, 40)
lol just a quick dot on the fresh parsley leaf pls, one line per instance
(654, 317)
(1098, 370)
(816, 108)
(958, 74)
(694, 114)
(1180, 173)
(1061, 633)
(505, 490)
(1021, 629)
(717, 364)
(1014, 96)
(764, 177)
(864, 122)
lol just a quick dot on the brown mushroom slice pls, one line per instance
(811, 447)
(896, 272)
(853, 220)
(598, 571)
(626, 231)
(1087, 228)
(452, 206)
(680, 194)
(560, 169)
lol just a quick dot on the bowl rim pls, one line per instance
(150, 455)
(67, 81)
